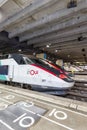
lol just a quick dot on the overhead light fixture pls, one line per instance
(19, 50)
(47, 46)
(68, 56)
(56, 50)
(72, 4)
(34, 53)
(83, 49)
(81, 38)
(84, 55)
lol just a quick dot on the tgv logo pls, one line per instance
(32, 72)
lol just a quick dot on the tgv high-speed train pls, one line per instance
(37, 73)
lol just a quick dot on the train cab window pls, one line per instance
(18, 58)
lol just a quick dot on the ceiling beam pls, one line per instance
(58, 27)
(67, 42)
(57, 41)
(63, 43)
(60, 42)
(77, 30)
(71, 47)
(66, 59)
(37, 5)
(59, 15)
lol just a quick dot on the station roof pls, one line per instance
(57, 27)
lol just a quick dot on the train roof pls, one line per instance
(10, 55)
(19, 58)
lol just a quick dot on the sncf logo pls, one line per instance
(33, 72)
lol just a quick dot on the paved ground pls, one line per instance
(26, 110)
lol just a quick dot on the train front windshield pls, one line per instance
(43, 63)
(37, 61)
(57, 70)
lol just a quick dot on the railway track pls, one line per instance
(78, 92)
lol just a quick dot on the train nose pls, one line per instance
(66, 78)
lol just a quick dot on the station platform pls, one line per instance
(22, 109)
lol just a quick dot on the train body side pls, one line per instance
(33, 75)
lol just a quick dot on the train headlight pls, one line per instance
(62, 76)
